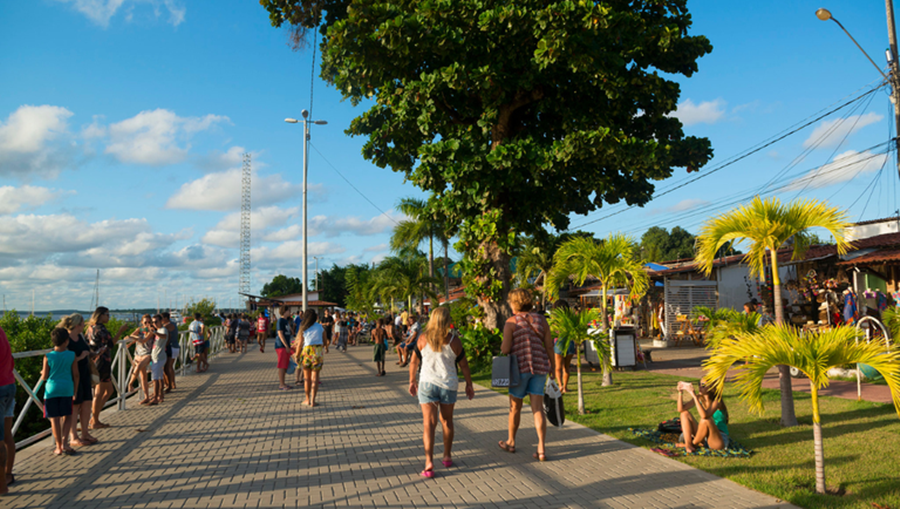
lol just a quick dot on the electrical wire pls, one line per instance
(351, 184)
(738, 158)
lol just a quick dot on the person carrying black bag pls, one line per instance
(527, 335)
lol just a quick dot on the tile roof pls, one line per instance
(880, 256)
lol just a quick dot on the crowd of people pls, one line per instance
(77, 371)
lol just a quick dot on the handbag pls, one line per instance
(670, 426)
(505, 371)
(553, 404)
(292, 366)
(95, 374)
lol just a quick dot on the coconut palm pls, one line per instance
(573, 327)
(812, 353)
(536, 260)
(412, 232)
(767, 225)
(724, 323)
(406, 275)
(611, 261)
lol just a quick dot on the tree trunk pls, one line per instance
(580, 389)
(446, 271)
(817, 441)
(431, 261)
(605, 361)
(496, 311)
(788, 417)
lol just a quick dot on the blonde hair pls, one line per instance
(71, 321)
(520, 300)
(438, 326)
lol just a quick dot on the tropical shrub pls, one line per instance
(481, 345)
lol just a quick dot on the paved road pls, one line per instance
(228, 438)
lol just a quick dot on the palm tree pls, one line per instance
(724, 323)
(570, 326)
(412, 232)
(812, 353)
(767, 225)
(536, 260)
(611, 261)
(406, 275)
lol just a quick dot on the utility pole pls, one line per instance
(317, 273)
(895, 75)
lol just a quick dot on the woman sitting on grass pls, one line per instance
(712, 431)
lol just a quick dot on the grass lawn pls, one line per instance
(861, 439)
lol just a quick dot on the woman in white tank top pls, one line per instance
(438, 382)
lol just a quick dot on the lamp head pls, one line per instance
(823, 14)
(320, 122)
(305, 114)
(291, 120)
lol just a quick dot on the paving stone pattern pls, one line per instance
(230, 438)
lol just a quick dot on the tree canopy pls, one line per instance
(512, 114)
(282, 285)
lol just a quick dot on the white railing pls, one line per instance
(887, 341)
(122, 366)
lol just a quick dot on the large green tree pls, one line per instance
(334, 285)
(514, 115)
(282, 285)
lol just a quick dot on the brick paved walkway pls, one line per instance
(228, 438)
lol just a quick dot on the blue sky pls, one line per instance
(122, 123)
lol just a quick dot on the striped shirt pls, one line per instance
(528, 344)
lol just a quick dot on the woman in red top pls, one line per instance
(527, 335)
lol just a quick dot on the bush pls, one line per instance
(25, 334)
(481, 345)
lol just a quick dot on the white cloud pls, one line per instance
(288, 254)
(688, 204)
(376, 248)
(27, 139)
(14, 198)
(31, 233)
(830, 132)
(227, 232)
(707, 112)
(101, 11)
(844, 167)
(332, 227)
(222, 191)
(231, 158)
(152, 137)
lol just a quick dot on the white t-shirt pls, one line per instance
(195, 328)
(159, 347)
(397, 321)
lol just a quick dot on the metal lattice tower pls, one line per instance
(245, 226)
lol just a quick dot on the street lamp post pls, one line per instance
(317, 273)
(306, 123)
(894, 77)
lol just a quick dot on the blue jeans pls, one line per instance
(7, 406)
(529, 383)
(430, 393)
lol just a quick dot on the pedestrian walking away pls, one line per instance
(438, 351)
(527, 335)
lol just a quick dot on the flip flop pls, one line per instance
(539, 456)
(428, 474)
(285, 388)
(506, 447)
(447, 463)
(70, 452)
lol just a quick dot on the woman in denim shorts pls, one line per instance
(440, 350)
(527, 335)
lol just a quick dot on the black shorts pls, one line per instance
(58, 407)
(229, 338)
(83, 391)
(199, 349)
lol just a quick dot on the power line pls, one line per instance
(352, 186)
(740, 156)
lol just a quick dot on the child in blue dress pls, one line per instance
(60, 375)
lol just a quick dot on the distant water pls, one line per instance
(86, 314)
